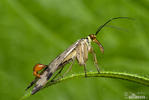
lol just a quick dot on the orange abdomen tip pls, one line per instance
(36, 74)
(37, 68)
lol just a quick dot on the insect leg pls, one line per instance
(95, 60)
(70, 67)
(57, 74)
(85, 70)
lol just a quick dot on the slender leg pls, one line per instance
(70, 67)
(85, 70)
(61, 71)
(57, 74)
(95, 61)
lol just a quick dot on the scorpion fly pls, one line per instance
(77, 51)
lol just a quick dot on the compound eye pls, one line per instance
(92, 36)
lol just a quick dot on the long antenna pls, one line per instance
(99, 29)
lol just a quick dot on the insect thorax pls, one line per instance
(88, 42)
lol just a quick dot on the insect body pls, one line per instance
(77, 51)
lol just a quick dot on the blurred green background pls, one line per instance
(36, 31)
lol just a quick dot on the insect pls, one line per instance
(77, 51)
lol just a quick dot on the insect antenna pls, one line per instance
(102, 26)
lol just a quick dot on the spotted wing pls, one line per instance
(52, 67)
